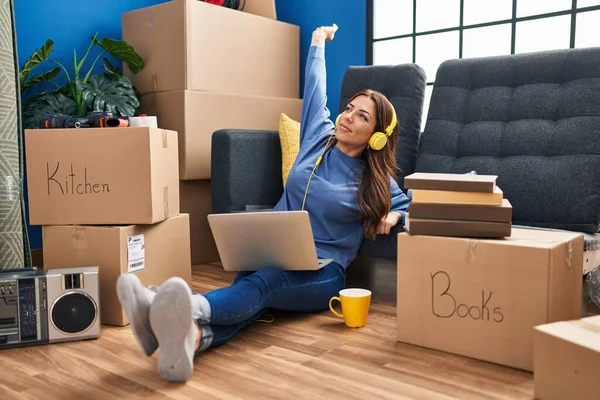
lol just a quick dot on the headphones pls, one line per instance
(378, 140)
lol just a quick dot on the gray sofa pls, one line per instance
(246, 164)
(532, 119)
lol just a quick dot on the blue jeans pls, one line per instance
(251, 294)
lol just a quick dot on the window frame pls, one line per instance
(573, 12)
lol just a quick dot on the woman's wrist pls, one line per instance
(318, 38)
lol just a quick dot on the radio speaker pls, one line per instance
(49, 306)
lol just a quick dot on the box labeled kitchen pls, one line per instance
(102, 175)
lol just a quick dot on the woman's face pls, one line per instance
(357, 122)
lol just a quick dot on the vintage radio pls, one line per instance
(48, 306)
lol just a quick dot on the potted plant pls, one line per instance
(106, 91)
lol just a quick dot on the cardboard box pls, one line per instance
(197, 115)
(102, 176)
(482, 298)
(264, 8)
(567, 360)
(196, 200)
(191, 44)
(153, 252)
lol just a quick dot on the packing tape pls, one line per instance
(150, 21)
(165, 142)
(166, 201)
(148, 121)
(473, 251)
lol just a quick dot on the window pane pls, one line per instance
(587, 3)
(543, 34)
(426, 100)
(478, 11)
(434, 49)
(392, 18)
(586, 29)
(437, 14)
(533, 7)
(488, 41)
(392, 52)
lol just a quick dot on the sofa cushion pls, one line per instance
(404, 86)
(289, 136)
(533, 120)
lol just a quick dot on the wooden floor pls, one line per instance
(294, 357)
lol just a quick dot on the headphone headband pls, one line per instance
(393, 123)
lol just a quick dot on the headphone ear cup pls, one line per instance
(378, 141)
(337, 121)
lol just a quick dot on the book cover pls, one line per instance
(462, 212)
(451, 182)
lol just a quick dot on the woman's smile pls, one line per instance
(344, 128)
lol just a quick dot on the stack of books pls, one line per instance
(457, 205)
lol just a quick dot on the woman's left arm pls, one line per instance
(397, 214)
(400, 201)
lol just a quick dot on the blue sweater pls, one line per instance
(332, 196)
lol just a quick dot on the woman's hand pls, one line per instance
(387, 222)
(323, 34)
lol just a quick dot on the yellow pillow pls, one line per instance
(289, 136)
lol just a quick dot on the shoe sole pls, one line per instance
(171, 320)
(129, 290)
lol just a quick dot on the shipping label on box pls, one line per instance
(136, 254)
(102, 175)
(482, 298)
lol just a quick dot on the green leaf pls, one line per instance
(36, 58)
(43, 77)
(116, 95)
(78, 65)
(111, 70)
(44, 104)
(124, 51)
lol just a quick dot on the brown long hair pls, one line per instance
(374, 197)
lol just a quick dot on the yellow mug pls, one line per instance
(355, 306)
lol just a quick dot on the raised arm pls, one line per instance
(315, 115)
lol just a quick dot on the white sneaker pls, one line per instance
(173, 324)
(136, 300)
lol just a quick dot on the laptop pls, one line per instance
(250, 241)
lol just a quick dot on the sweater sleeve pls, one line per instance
(400, 201)
(315, 115)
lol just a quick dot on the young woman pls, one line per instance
(343, 178)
